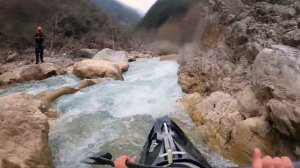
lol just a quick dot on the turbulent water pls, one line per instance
(115, 116)
(47, 84)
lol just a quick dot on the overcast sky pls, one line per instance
(142, 6)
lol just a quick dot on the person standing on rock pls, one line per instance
(39, 44)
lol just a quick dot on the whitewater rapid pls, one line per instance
(115, 116)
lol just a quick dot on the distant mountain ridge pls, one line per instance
(162, 10)
(120, 12)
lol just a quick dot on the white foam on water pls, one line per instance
(114, 116)
(104, 113)
(150, 88)
(34, 87)
(72, 147)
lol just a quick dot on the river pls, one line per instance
(115, 116)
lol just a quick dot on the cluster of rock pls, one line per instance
(30, 72)
(87, 64)
(246, 85)
(24, 118)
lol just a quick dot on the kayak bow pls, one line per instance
(167, 145)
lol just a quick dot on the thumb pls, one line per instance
(132, 159)
(257, 159)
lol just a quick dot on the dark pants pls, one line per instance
(39, 52)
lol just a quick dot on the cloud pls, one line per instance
(142, 6)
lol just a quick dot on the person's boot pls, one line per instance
(42, 56)
(36, 57)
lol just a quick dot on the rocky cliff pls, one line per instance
(245, 66)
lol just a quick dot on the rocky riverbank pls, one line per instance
(244, 78)
(84, 63)
(24, 117)
(242, 75)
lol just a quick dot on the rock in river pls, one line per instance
(30, 72)
(97, 68)
(23, 132)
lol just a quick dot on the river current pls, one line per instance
(115, 116)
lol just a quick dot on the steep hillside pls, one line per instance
(163, 10)
(120, 12)
(66, 20)
(243, 68)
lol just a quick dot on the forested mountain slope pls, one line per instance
(163, 10)
(120, 12)
(77, 20)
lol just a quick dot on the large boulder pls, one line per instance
(189, 83)
(264, 83)
(50, 69)
(292, 38)
(278, 70)
(189, 102)
(228, 132)
(249, 134)
(217, 113)
(23, 132)
(97, 68)
(120, 58)
(123, 66)
(111, 55)
(286, 117)
(30, 72)
(249, 104)
(49, 96)
(212, 71)
(276, 79)
(85, 53)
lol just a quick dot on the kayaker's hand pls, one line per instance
(269, 162)
(120, 162)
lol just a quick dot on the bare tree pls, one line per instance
(54, 28)
(69, 42)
